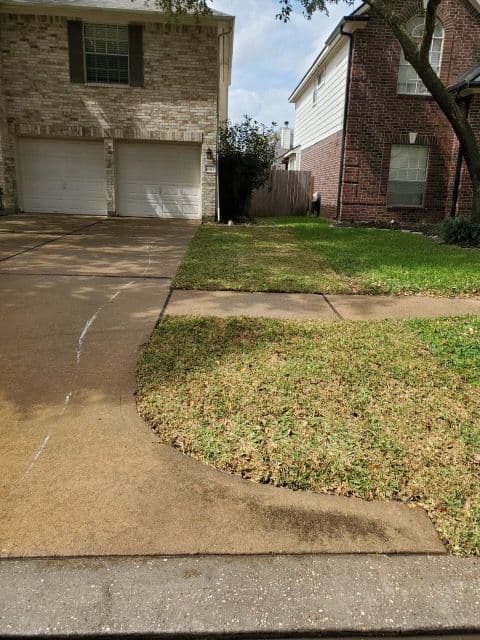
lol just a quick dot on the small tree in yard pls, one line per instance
(246, 156)
(418, 55)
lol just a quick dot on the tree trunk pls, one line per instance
(459, 120)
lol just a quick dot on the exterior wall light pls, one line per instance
(413, 137)
(210, 155)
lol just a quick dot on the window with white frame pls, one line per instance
(106, 53)
(408, 80)
(408, 176)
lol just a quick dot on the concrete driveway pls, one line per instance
(80, 473)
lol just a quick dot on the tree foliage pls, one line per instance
(246, 156)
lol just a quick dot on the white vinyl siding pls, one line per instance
(315, 122)
(159, 180)
(62, 176)
(408, 176)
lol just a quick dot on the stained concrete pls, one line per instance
(294, 306)
(80, 472)
(117, 248)
(251, 597)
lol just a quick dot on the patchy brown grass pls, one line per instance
(372, 410)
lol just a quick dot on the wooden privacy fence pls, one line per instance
(286, 193)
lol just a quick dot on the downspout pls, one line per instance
(217, 190)
(345, 120)
(458, 168)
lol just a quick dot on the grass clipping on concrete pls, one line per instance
(386, 411)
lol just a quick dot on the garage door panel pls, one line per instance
(62, 176)
(190, 192)
(159, 180)
(171, 191)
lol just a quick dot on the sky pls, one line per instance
(270, 57)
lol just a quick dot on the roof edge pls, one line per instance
(38, 7)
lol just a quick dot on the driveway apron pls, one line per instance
(80, 473)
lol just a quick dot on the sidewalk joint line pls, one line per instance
(337, 313)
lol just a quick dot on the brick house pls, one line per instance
(106, 108)
(377, 144)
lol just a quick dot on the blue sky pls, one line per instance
(270, 57)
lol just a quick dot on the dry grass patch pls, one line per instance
(372, 410)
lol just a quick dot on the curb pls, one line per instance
(241, 596)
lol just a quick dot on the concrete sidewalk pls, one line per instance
(234, 597)
(304, 306)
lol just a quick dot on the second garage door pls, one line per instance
(158, 180)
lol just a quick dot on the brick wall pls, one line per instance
(3, 147)
(378, 117)
(323, 160)
(177, 103)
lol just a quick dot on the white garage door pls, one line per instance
(62, 176)
(158, 180)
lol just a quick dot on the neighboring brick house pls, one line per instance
(106, 107)
(376, 142)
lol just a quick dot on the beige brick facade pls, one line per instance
(178, 102)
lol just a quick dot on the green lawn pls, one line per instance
(387, 410)
(308, 255)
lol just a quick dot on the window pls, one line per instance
(318, 85)
(408, 176)
(408, 80)
(106, 53)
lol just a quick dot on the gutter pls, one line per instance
(345, 120)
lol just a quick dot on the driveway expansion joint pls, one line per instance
(53, 274)
(51, 240)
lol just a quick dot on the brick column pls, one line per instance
(209, 180)
(8, 181)
(111, 174)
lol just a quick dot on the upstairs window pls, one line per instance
(408, 80)
(408, 176)
(106, 54)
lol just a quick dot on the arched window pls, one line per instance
(408, 80)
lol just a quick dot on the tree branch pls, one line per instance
(430, 23)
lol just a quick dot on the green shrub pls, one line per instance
(246, 157)
(461, 231)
